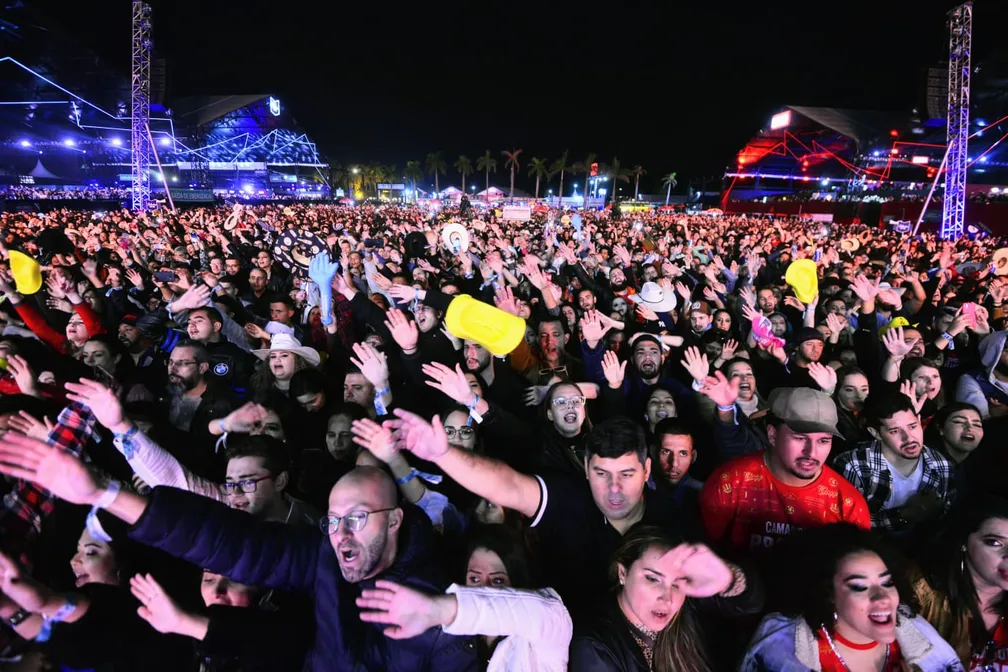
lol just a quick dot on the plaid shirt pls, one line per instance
(27, 505)
(868, 471)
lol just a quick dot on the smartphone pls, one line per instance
(165, 276)
(818, 254)
(969, 312)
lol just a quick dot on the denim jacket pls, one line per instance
(785, 644)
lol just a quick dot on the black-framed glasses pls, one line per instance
(246, 486)
(355, 521)
(461, 432)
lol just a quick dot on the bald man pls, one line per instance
(370, 536)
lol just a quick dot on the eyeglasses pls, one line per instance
(461, 432)
(246, 486)
(569, 402)
(355, 521)
(546, 374)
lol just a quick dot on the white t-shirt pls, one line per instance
(903, 487)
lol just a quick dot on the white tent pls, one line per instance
(40, 171)
(490, 194)
(453, 193)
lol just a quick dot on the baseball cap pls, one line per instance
(702, 306)
(804, 410)
(645, 336)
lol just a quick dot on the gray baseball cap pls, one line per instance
(805, 410)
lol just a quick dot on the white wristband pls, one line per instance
(108, 496)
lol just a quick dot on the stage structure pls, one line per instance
(957, 129)
(140, 138)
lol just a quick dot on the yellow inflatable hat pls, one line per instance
(26, 271)
(497, 331)
(803, 275)
(895, 323)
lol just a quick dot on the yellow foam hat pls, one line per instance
(803, 275)
(893, 324)
(26, 271)
(491, 327)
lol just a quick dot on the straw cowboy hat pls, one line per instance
(287, 343)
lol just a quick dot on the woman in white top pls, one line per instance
(523, 630)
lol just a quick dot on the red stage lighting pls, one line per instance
(894, 133)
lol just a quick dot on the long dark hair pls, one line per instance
(508, 546)
(810, 559)
(944, 562)
(679, 647)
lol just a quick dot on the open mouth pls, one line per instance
(615, 501)
(570, 418)
(881, 618)
(660, 615)
(807, 464)
(968, 437)
(744, 387)
(347, 556)
(82, 579)
(661, 415)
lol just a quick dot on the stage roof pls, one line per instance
(202, 110)
(858, 125)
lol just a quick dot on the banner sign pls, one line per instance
(192, 195)
(516, 213)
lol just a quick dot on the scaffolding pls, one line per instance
(140, 85)
(957, 133)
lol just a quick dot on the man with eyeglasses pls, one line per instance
(365, 536)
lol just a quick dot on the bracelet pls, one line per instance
(221, 426)
(17, 618)
(725, 409)
(403, 480)
(108, 496)
(473, 415)
(947, 336)
(64, 611)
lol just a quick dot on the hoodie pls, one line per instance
(979, 385)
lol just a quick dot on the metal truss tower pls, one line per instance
(140, 86)
(957, 134)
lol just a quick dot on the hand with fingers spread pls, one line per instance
(407, 612)
(322, 270)
(893, 341)
(135, 278)
(375, 438)
(729, 349)
(198, 295)
(246, 418)
(102, 401)
(24, 376)
(908, 388)
(406, 293)
(865, 288)
(775, 351)
(696, 364)
(592, 328)
(451, 382)
(59, 472)
(404, 331)
(426, 440)
(505, 300)
(162, 612)
(750, 313)
(646, 313)
(30, 426)
(721, 390)
(837, 324)
(824, 376)
(372, 363)
(613, 369)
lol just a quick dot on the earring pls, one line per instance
(835, 617)
(962, 560)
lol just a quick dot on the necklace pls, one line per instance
(861, 647)
(851, 645)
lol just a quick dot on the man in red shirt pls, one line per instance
(752, 501)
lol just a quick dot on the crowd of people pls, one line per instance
(41, 193)
(245, 438)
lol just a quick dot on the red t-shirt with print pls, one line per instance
(744, 507)
(995, 656)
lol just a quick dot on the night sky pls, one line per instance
(672, 86)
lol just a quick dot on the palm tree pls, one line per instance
(668, 181)
(464, 166)
(435, 165)
(538, 168)
(637, 171)
(511, 161)
(560, 166)
(617, 172)
(413, 171)
(487, 164)
(584, 167)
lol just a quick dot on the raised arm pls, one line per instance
(485, 477)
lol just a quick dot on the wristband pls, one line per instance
(64, 611)
(379, 407)
(108, 496)
(126, 441)
(726, 409)
(221, 426)
(403, 480)
(947, 336)
(17, 618)
(473, 415)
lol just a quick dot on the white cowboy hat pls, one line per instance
(655, 298)
(287, 343)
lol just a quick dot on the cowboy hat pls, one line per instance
(1000, 261)
(850, 244)
(455, 238)
(287, 343)
(654, 297)
(26, 271)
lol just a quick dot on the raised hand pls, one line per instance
(23, 374)
(720, 390)
(102, 401)
(893, 341)
(646, 313)
(372, 363)
(30, 426)
(61, 473)
(696, 364)
(21, 589)
(246, 418)
(407, 612)
(426, 440)
(698, 571)
(504, 299)
(135, 278)
(729, 349)
(865, 288)
(824, 376)
(908, 388)
(613, 369)
(198, 295)
(451, 382)
(592, 328)
(156, 607)
(405, 293)
(748, 297)
(404, 331)
(535, 394)
(837, 324)
(374, 437)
